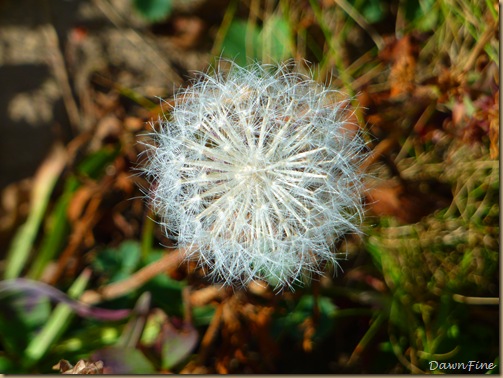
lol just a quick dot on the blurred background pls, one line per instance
(81, 80)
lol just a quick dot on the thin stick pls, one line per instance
(476, 300)
(346, 7)
(211, 334)
(57, 63)
(145, 274)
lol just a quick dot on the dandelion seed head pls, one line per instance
(257, 174)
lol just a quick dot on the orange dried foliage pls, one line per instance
(405, 201)
(238, 336)
(102, 207)
(402, 54)
(309, 329)
(188, 31)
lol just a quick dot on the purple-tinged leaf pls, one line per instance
(36, 288)
(133, 330)
(178, 342)
(118, 360)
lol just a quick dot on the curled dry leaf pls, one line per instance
(81, 367)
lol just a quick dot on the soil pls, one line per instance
(51, 50)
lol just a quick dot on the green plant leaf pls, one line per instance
(94, 164)
(118, 263)
(20, 317)
(246, 42)
(241, 43)
(23, 240)
(373, 11)
(7, 366)
(56, 324)
(56, 231)
(178, 343)
(153, 10)
(276, 39)
(303, 310)
(119, 360)
(203, 315)
(166, 292)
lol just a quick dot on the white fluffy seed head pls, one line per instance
(257, 174)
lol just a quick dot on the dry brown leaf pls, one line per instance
(108, 127)
(79, 201)
(81, 367)
(406, 204)
(309, 330)
(14, 207)
(494, 130)
(402, 55)
(188, 31)
(204, 296)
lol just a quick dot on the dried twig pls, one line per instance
(349, 9)
(138, 279)
(57, 63)
(476, 300)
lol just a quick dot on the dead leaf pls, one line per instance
(401, 53)
(81, 367)
(405, 201)
(79, 201)
(494, 130)
(108, 128)
(188, 31)
(309, 330)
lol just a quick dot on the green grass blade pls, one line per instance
(56, 232)
(22, 244)
(56, 324)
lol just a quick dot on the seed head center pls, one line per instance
(253, 171)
